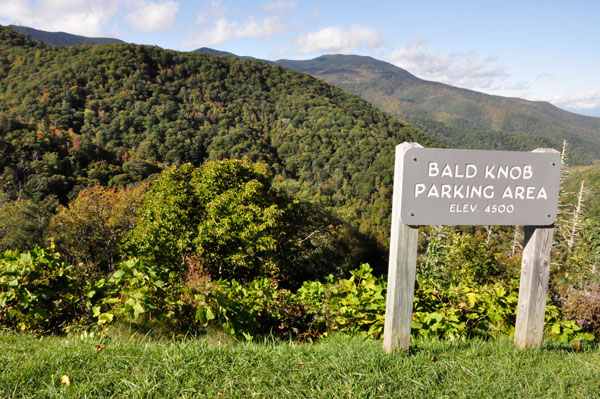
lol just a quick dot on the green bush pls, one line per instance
(38, 292)
(451, 258)
(257, 308)
(150, 296)
(137, 292)
(464, 310)
(354, 305)
(227, 216)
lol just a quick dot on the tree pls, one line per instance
(23, 222)
(228, 217)
(88, 231)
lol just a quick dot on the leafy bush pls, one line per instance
(138, 292)
(257, 308)
(227, 215)
(583, 307)
(150, 296)
(451, 258)
(38, 292)
(358, 305)
(355, 305)
(88, 231)
(463, 310)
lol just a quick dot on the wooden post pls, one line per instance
(401, 268)
(535, 270)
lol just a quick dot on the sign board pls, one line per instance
(473, 187)
(438, 186)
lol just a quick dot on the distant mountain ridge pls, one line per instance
(455, 116)
(61, 38)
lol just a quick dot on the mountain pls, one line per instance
(60, 38)
(457, 117)
(207, 50)
(120, 113)
(452, 116)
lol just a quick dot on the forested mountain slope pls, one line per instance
(115, 114)
(454, 116)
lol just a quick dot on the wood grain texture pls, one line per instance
(401, 268)
(535, 270)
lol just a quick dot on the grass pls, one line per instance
(336, 367)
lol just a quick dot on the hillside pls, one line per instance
(61, 38)
(454, 116)
(116, 114)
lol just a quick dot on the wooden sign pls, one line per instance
(434, 186)
(468, 187)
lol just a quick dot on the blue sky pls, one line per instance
(538, 50)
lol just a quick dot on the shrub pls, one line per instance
(137, 292)
(88, 231)
(147, 295)
(257, 308)
(225, 212)
(583, 307)
(38, 292)
(228, 215)
(451, 258)
(354, 305)
(464, 310)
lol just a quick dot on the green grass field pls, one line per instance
(336, 367)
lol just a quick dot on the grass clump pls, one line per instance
(339, 366)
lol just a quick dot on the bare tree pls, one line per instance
(576, 220)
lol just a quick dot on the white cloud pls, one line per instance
(64, 5)
(87, 17)
(153, 16)
(336, 39)
(224, 30)
(13, 11)
(221, 32)
(584, 101)
(280, 6)
(457, 69)
(213, 9)
(83, 17)
(267, 27)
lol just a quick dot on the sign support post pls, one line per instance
(535, 269)
(533, 288)
(402, 267)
